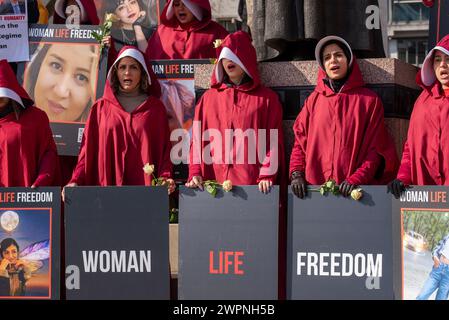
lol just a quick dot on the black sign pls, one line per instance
(117, 243)
(29, 243)
(340, 248)
(228, 245)
(423, 226)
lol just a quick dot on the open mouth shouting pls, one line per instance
(230, 67)
(444, 74)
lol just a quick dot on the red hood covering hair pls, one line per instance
(154, 89)
(240, 44)
(355, 80)
(9, 85)
(89, 9)
(173, 22)
(426, 76)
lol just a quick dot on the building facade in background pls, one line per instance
(408, 30)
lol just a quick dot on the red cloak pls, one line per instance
(425, 159)
(117, 144)
(173, 41)
(248, 106)
(343, 136)
(27, 150)
(88, 6)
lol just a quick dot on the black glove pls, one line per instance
(346, 188)
(299, 184)
(396, 187)
(140, 21)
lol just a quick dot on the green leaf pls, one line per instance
(329, 184)
(97, 36)
(322, 191)
(211, 189)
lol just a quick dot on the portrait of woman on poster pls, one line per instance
(133, 27)
(13, 271)
(61, 78)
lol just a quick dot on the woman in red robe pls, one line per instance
(340, 133)
(126, 129)
(88, 11)
(28, 155)
(186, 32)
(425, 159)
(254, 152)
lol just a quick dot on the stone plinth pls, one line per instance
(392, 79)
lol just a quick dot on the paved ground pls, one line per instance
(417, 267)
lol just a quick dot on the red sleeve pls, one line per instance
(91, 129)
(274, 156)
(195, 158)
(300, 129)
(48, 164)
(405, 170)
(428, 3)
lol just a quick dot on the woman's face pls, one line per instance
(11, 254)
(441, 68)
(335, 62)
(129, 74)
(182, 13)
(63, 86)
(128, 11)
(233, 70)
(3, 102)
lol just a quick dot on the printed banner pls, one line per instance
(117, 243)
(29, 243)
(340, 248)
(228, 245)
(65, 75)
(14, 30)
(136, 19)
(177, 79)
(424, 228)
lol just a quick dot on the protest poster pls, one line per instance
(177, 79)
(136, 19)
(29, 243)
(65, 75)
(424, 230)
(13, 30)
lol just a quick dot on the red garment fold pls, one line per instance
(117, 144)
(252, 111)
(342, 136)
(172, 41)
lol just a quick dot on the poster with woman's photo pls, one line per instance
(177, 79)
(136, 20)
(65, 75)
(29, 243)
(425, 245)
